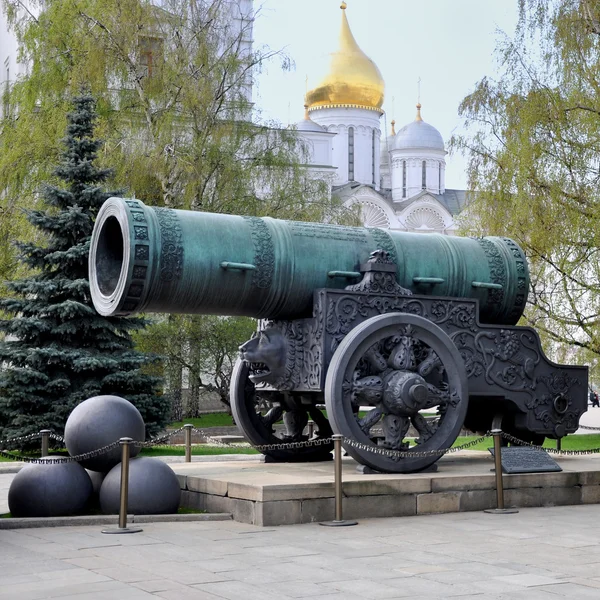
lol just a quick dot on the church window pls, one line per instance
(373, 155)
(424, 175)
(350, 153)
(150, 53)
(404, 179)
(440, 178)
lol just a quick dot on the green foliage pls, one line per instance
(174, 111)
(533, 143)
(58, 351)
(581, 442)
(172, 94)
(205, 348)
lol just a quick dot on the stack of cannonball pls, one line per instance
(62, 489)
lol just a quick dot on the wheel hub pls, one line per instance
(405, 393)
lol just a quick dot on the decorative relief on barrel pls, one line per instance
(522, 284)
(171, 247)
(497, 270)
(264, 253)
(141, 233)
(329, 232)
(142, 252)
(384, 241)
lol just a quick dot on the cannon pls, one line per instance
(404, 337)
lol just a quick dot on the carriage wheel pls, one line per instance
(401, 366)
(256, 413)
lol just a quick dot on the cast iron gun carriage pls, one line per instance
(388, 329)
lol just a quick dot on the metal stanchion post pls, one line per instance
(339, 521)
(124, 491)
(497, 433)
(559, 443)
(311, 429)
(188, 442)
(45, 433)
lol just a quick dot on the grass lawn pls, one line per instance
(571, 442)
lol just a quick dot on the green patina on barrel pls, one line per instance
(146, 259)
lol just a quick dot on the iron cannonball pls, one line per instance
(49, 490)
(99, 421)
(153, 488)
(96, 478)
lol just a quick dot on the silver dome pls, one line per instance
(419, 134)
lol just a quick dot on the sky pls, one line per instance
(448, 44)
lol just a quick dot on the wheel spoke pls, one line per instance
(399, 364)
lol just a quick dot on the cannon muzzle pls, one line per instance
(147, 259)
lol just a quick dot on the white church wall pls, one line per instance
(364, 122)
(317, 147)
(414, 172)
(10, 67)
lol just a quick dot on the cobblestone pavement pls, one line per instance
(537, 554)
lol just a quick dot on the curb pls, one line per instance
(28, 523)
(13, 468)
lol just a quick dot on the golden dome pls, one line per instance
(353, 79)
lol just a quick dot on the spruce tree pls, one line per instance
(57, 350)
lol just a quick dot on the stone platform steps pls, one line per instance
(282, 493)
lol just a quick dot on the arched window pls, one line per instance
(424, 175)
(350, 153)
(404, 179)
(440, 178)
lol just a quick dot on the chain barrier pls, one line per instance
(158, 441)
(515, 440)
(589, 428)
(418, 453)
(62, 459)
(21, 438)
(296, 445)
(370, 448)
(211, 439)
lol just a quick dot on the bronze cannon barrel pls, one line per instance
(148, 259)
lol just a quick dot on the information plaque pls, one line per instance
(523, 459)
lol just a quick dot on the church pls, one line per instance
(397, 180)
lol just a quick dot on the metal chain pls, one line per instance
(416, 453)
(66, 459)
(157, 441)
(589, 428)
(213, 440)
(412, 453)
(294, 445)
(370, 448)
(514, 440)
(21, 438)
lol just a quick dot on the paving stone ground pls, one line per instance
(537, 554)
